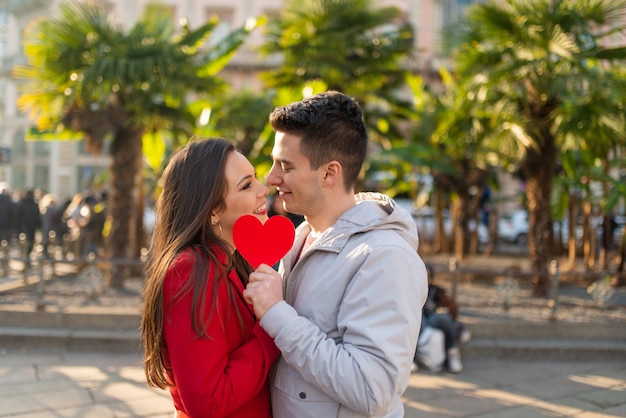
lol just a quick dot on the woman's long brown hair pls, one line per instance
(194, 186)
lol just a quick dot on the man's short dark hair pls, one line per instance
(331, 127)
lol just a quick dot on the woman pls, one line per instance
(201, 338)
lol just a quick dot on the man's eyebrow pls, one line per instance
(282, 161)
(244, 179)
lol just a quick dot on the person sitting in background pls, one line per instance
(441, 312)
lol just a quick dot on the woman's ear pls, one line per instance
(214, 219)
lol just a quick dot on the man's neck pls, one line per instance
(334, 208)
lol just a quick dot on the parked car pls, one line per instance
(483, 230)
(618, 230)
(426, 220)
(514, 227)
(617, 235)
(424, 217)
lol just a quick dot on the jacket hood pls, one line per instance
(373, 211)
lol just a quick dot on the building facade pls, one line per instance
(65, 167)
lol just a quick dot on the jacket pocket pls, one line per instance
(294, 396)
(289, 381)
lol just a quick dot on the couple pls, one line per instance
(342, 315)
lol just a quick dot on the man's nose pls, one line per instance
(273, 179)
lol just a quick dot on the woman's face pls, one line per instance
(245, 195)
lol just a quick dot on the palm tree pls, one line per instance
(242, 116)
(460, 135)
(87, 74)
(446, 143)
(544, 72)
(350, 46)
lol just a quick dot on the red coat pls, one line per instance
(224, 375)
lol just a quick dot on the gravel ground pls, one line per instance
(71, 288)
(476, 296)
(494, 291)
(573, 304)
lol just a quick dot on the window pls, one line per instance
(18, 176)
(42, 177)
(42, 148)
(89, 177)
(19, 144)
(225, 25)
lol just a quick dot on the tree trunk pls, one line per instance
(457, 232)
(138, 233)
(538, 169)
(622, 259)
(607, 230)
(474, 215)
(588, 238)
(125, 166)
(493, 232)
(441, 238)
(571, 232)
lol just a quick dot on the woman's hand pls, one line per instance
(264, 289)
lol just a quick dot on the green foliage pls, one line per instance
(546, 80)
(350, 46)
(261, 153)
(242, 116)
(540, 60)
(81, 59)
(88, 74)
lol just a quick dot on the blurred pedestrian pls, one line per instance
(49, 206)
(28, 220)
(90, 224)
(7, 214)
(71, 218)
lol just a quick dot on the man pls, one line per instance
(353, 282)
(28, 220)
(7, 213)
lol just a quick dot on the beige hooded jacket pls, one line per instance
(349, 324)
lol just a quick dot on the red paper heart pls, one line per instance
(263, 243)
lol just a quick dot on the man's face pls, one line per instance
(299, 185)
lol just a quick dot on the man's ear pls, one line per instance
(332, 172)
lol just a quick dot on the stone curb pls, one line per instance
(28, 339)
(542, 349)
(117, 330)
(94, 318)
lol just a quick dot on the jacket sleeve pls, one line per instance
(210, 377)
(379, 321)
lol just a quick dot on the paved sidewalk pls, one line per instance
(502, 389)
(519, 363)
(80, 384)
